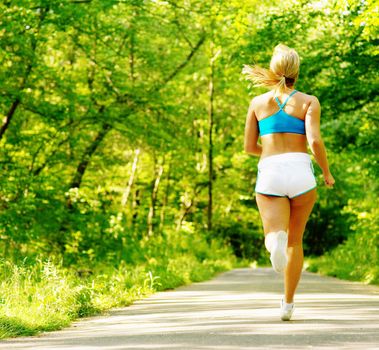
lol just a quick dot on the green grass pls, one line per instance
(45, 296)
(357, 259)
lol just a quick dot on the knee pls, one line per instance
(295, 244)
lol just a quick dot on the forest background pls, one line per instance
(122, 162)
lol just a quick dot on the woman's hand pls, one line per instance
(329, 180)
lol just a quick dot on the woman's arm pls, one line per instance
(316, 144)
(251, 132)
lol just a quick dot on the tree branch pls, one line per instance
(182, 65)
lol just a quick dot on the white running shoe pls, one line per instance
(279, 251)
(286, 310)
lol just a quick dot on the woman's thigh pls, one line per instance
(274, 211)
(300, 209)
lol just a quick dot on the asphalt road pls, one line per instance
(236, 310)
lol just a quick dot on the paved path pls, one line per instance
(237, 310)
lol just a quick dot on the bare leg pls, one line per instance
(274, 211)
(301, 207)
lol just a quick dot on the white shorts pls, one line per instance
(285, 175)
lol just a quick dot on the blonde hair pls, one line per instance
(283, 71)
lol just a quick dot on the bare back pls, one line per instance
(297, 106)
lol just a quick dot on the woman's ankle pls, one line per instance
(288, 300)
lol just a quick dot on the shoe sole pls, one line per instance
(286, 318)
(278, 253)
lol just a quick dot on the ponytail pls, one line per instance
(283, 72)
(264, 77)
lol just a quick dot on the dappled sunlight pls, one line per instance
(130, 148)
(341, 314)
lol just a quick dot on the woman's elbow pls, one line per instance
(251, 150)
(315, 141)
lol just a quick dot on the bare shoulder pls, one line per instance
(260, 99)
(309, 98)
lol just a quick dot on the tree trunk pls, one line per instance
(210, 138)
(82, 166)
(135, 206)
(17, 101)
(158, 170)
(165, 197)
(8, 117)
(131, 56)
(187, 207)
(125, 196)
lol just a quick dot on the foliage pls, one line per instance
(356, 259)
(122, 130)
(43, 295)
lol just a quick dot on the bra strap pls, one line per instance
(278, 102)
(294, 91)
(281, 105)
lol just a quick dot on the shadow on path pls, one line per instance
(237, 310)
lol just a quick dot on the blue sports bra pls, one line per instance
(281, 121)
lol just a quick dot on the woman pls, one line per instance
(285, 119)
